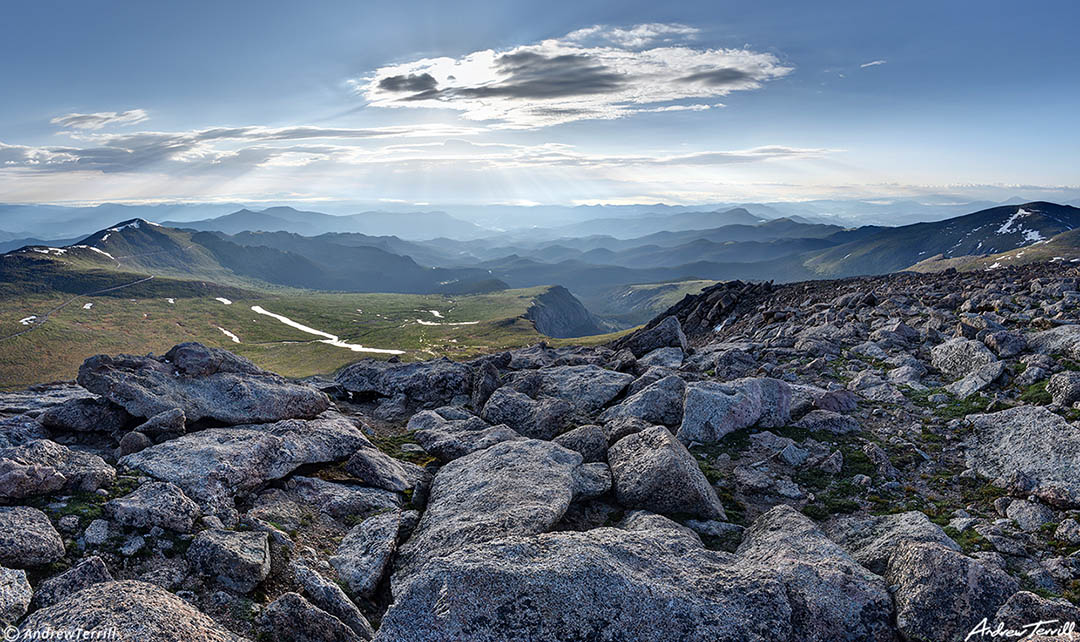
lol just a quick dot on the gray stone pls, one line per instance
(448, 439)
(238, 560)
(643, 520)
(587, 388)
(670, 357)
(81, 470)
(1033, 441)
(832, 597)
(604, 584)
(712, 410)
(422, 382)
(658, 403)
(86, 415)
(364, 554)
(616, 429)
(1005, 344)
(168, 423)
(542, 418)
(1068, 531)
(18, 430)
(590, 441)
(942, 592)
(291, 618)
(27, 538)
(89, 571)
(206, 383)
(872, 540)
(977, 380)
(591, 480)
(155, 504)
(959, 357)
(135, 610)
(667, 333)
(1025, 608)
(512, 488)
(329, 597)
(97, 533)
(827, 421)
(1029, 516)
(375, 468)
(132, 545)
(15, 595)
(19, 480)
(133, 442)
(341, 500)
(1064, 387)
(212, 466)
(653, 471)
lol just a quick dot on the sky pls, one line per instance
(560, 102)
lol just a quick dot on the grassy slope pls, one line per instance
(117, 324)
(1064, 247)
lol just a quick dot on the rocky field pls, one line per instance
(886, 458)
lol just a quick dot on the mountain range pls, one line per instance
(592, 266)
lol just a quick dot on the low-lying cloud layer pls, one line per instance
(593, 73)
(100, 119)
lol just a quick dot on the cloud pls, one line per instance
(873, 63)
(594, 73)
(101, 119)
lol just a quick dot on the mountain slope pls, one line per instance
(412, 225)
(997, 229)
(1063, 248)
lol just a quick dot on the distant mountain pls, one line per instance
(1063, 248)
(882, 250)
(56, 221)
(409, 225)
(422, 253)
(138, 246)
(625, 228)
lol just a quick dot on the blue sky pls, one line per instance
(554, 102)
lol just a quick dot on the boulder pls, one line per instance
(542, 418)
(485, 381)
(212, 466)
(832, 597)
(942, 594)
(1025, 608)
(364, 554)
(136, 611)
(291, 618)
(591, 480)
(423, 382)
(448, 438)
(155, 504)
(658, 403)
(27, 538)
(587, 388)
(1064, 387)
(238, 560)
(167, 423)
(1029, 516)
(18, 430)
(19, 480)
(329, 597)
(133, 442)
(643, 520)
(86, 415)
(512, 488)
(663, 357)
(81, 470)
(712, 410)
(667, 333)
(959, 357)
(978, 379)
(341, 500)
(1030, 440)
(872, 540)
(89, 571)
(379, 470)
(206, 383)
(828, 421)
(604, 584)
(652, 470)
(1005, 344)
(15, 594)
(590, 441)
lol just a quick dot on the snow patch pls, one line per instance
(223, 300)
(330, 338)
(28, 320)
(422, 322)
(98, 250)
(235, 339)
(87, 306)
(133, 225)
(171, 300)
(436, 314)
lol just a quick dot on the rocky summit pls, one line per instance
(887, 459)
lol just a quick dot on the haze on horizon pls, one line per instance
(560, 103)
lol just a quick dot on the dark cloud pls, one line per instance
(719, 77)
(535, 75)
(411, 82)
